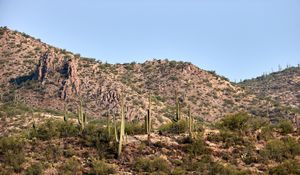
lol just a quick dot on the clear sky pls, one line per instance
(237, 38)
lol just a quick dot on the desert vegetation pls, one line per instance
(71, 144)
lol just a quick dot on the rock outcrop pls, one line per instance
(71, 82)
(44, 67)
(68, 83)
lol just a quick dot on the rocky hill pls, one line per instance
(282, 87)
(47, 77)
(44, 76)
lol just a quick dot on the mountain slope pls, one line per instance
(282, 87)
(44, 76)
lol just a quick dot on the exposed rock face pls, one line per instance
(44, 67)
(71, 82)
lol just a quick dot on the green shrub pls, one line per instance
(35, 169)
(217, 168)
(235, 122)
(287, 167)
(228, 138)
(206, 165)
(275, 149)
(71, 167)
(98, 137)
(134, 128)
(174, 127)
(99, 167)
(53, 153)
(197, 147)
(67, 129)
(46, 131)
(255, 123)
(292, 146)
(12, 152)
(285, 126)
(158, 165)
(54, 129)
(200, 165)
(249, 155)
(68, 153)
(266, 133)
(280, 150)
(178, 171)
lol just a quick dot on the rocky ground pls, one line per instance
(238, 144)
(282, 87)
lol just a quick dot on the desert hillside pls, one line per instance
(44, 76)
(37, 142)
(282, 87)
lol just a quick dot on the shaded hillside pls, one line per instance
(44, 76)
(282, 87)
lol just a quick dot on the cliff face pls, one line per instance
(71, 82)
(47, 77)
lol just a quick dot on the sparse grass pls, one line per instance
(285, 126)
(287, 167)
(198, 147)
(280, 150)
(174, 127)
(206, 165)
(100, 167)
(54, 129)
(71, 167)
(156, 165)
(134, 128)
(34, 169)
(99, 138)
(227, 138)
(11, 109)
(12, 152)
(266, 133)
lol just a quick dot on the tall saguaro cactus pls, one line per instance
(148, 120)
(115, 128)
(191, 122)
(148, 117)
(178, 117)
(122, 128)
(81, 116)
(108, 124)
(65, 112)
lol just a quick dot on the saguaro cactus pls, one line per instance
(65, 112)
(178, 117)
(115, 128)
(108, 124)
(81, 116)
(148, 120)
(122, 128)
(148, 117)
(191, 122)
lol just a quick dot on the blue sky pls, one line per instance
(237, 38)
